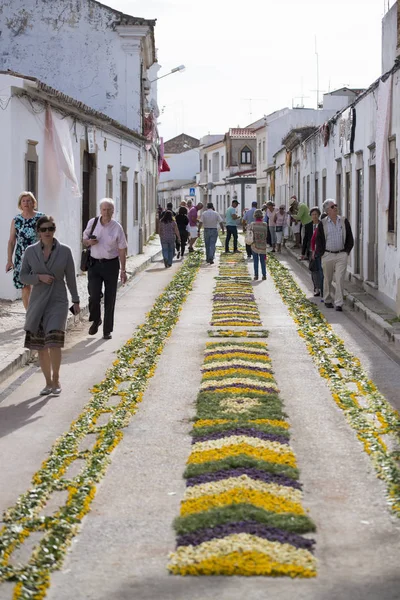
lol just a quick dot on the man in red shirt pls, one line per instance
(193, 226)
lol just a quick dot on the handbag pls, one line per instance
(249, 236)
(85, 256)
(312, 265)
(279, 228)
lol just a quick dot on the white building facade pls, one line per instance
(87, 157)
(227, 169)
(353, 158)
(84, 49)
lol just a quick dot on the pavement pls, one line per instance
(120, 552)
(13, 355)
(365, 306)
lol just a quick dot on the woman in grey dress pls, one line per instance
(47, 265)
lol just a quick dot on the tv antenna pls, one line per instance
(250, 100)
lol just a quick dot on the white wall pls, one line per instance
(389, 38)
(18, 124)
(317, 159)
(75, 50)
(183, 166)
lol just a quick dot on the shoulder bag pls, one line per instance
(249, 237)
(85, 256)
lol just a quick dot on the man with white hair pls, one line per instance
(107, 243)
(334, 242)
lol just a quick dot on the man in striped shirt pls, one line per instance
(334, 242)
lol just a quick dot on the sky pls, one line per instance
(248, 58)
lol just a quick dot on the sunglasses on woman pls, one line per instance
(44, 229)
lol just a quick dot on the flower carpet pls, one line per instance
(375, 421)
(242, 511)
(233, 302)
(114, 400)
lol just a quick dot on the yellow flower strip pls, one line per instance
(241, 496)
(276, 552)
(246, 564)
(266, 454)
(242, 482)
(242, 371)
(211, 422)
(241, 355)
(234, 440)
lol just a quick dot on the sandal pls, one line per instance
(46, 391)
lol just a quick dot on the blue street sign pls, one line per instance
(192, 192)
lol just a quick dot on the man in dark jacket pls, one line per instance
(334, 242)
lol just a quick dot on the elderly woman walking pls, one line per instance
(22, 235)
(46, 266)
(259, 246)
(168, 231)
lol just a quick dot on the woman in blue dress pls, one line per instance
(22, 235)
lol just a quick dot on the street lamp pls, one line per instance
(175, 70)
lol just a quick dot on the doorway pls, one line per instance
(372, 232)
(359, 224)
(88, 187)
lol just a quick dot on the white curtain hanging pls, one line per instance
(382, 141)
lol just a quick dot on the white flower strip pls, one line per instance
(238, 405)
(242, 382)
(235, 440)
(239, 362)
(244, 542)
(243, 482)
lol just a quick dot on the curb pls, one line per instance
(377, 322)
(21, 357)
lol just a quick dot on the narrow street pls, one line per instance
(121, 549)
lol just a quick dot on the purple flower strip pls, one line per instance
(248, 367)
(250, 350)
(252, 472)
(272, 534)
(248, 431)
(249, 386)
(224, 298)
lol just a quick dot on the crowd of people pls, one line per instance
(326, 241)
(43, 268)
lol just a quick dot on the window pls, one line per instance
(324, 188)
(392, 187)
(109, 182)
(392, 196)
(339, 192)
(298, 186)
(263, 150)
(222, 163)
(31, 177)
(259, 152)
(31, 168)
(209, 166)
(245, 156)
(308, 190)
(348, 194)
(316, 192)
(263, 194)
(205, 162)
(201, 165)
(136, 198)
(258, 196)
(124, 199)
